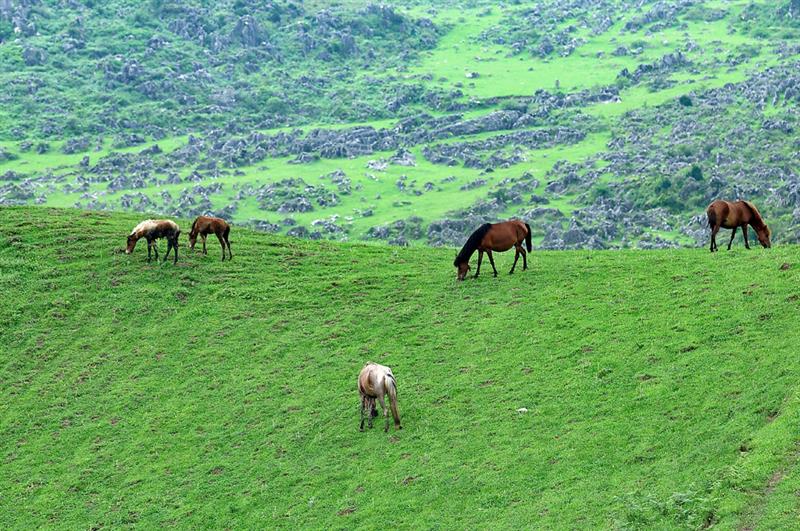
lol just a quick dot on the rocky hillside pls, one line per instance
(604, 124)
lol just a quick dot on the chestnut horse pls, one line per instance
(375, 381)
(495, 237)
(151, 230)
(731, 215)
(205, 225)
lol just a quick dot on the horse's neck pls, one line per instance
(756, 221)
(469, 253)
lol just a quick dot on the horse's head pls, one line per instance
(192, 239)
(764, 235)
(463, 268)
(131, 244)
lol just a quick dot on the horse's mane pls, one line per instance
(194, 223)
(757, 214)
(472, 243)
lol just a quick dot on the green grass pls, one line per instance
(660, 386)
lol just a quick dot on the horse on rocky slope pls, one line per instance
(498, 237)
(152, 230)
(732, 215)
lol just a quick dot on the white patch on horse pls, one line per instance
(146, 225)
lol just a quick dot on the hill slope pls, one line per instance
(661, 386)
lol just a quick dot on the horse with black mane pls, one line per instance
(205, 225)
(732, 215)
(151, 230)
(497, 237)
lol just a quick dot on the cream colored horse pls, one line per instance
(374, 382)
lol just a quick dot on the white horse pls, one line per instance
(376, 381)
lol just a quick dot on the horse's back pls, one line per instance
(167, 226)
(207, 224)
(718, 212)
(729, 214)
(370, 379)
(504, 235)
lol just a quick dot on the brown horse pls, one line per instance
(731, 215)
(495, 237)
(151, 230)
(375, 381)
(205, 225)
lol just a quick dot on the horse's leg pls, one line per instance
(746, 243)
(480, 259)
(370, 410)
(175, 246)
(516, 257)
(491, 261)
(149, 249)
(222, 243)
(155, 249)
(733, 235)
(524, 259)
(714, 231)
(204, 243)
(385, 411)
(361, 427)
(169, 248)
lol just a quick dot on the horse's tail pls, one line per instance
(712, 216)
(391, 389)
(528, 243)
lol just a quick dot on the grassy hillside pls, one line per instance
(660, 386)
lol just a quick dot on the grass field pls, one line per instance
(660, 386)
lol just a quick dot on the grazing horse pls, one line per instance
(375, 381)
(731, 215)
(205, 225)
(151, 230)
(495, 237)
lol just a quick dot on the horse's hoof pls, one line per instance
(361, 430)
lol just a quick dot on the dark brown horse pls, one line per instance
(732, 215)
(151, 230)
(495, 237)
(205, 225)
